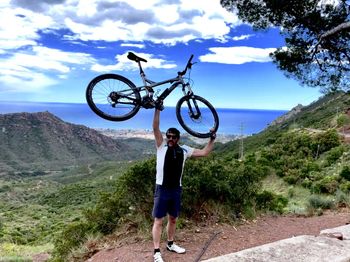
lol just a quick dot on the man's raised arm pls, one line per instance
(156, 131)
(207, 149)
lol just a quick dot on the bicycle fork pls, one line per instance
(193, 108)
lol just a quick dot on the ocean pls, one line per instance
(232, 121)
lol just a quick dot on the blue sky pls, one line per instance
(51, 49)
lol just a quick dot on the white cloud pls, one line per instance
(167, 14)
(43, 58)
(237, 55)
(25, 82)
(158, 21)
(241, 37)
(32, 70)
(23, 56)
(19, 27)
(133, 45)
(124, 64)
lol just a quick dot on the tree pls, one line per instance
(317, 37)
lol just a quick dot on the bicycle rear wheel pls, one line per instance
(197, 116)
(113, 97)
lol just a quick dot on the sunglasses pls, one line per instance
(171, 136)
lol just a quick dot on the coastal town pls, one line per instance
(148, 134)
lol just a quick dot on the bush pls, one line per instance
(307, 183)
(342, 120)
(342, 198)
(310, 166)
(345, 173)
(328, 140)
(206, 182)
(328, 184)
(345, 186)
(292, 176)
(269, 201)
(73, 236)
(134, 192)
(334, 154)
(317, 201)
(233, 184)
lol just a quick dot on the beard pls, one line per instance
(171, 143)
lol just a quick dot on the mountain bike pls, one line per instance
(116, 98)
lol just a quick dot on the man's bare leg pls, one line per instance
(157, 231)
(171, 227)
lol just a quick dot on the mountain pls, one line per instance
(330, 111)
(42, 141)
(322, 113)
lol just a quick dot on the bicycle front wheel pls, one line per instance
(113, 97)
(197, 116)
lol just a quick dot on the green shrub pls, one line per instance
(345, 173)
(317, 201)
(73, 236)
(345, 186)
(307, 183)
(342, 120)
(310, 166)
(342, 198)
(328, 140)
(134, 189)
(206, 182)
(334, 154)
(234, 184)
(328, 184)
(290, 179)
(292, 176)
(269, 201)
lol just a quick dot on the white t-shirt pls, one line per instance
(170, 164)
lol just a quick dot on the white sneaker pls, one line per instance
(175, 248)
(158, 257)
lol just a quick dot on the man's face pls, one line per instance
(172, 139)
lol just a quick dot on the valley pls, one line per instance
(53, 172)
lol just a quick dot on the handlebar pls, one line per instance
(188, 66)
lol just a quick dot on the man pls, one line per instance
(167, 198)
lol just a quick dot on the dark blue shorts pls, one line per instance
(166, 201)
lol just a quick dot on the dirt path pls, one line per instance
(226, 239)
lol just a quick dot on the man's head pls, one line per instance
(173, 136)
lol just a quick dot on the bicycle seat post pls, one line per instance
(148, 90)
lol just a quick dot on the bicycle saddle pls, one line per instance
(135, 58)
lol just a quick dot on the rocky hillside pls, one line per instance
(330, 111)
(42, 141)
(322, 113)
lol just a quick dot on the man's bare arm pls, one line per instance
(156, 131)
(206, 150)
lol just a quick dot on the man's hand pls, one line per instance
(159, 105)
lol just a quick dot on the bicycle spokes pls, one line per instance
(113, 97)
(197, 116)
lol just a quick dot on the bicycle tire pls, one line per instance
(113, 97)
(202, 125)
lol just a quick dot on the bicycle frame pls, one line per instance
(149, 85)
